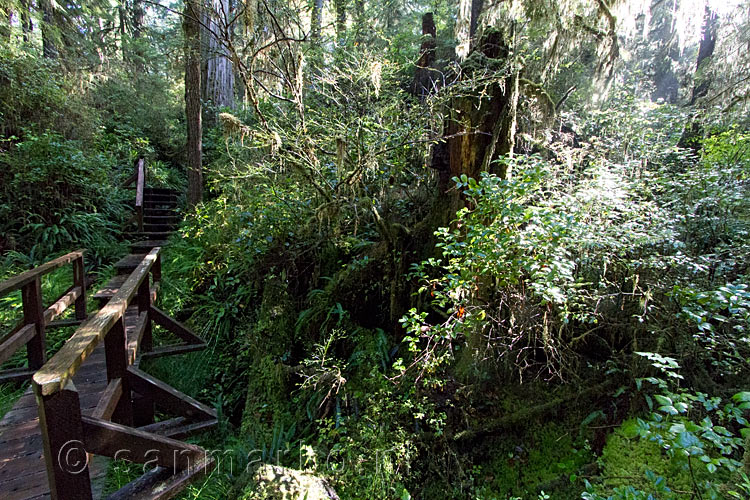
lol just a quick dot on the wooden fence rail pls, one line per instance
(139, 178)
(139, 187)
(110, 430)
(36, 318)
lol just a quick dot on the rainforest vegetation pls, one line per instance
(437, 248)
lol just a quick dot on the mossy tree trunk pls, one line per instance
(481, 126)
(191, 26)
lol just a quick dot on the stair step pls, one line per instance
(111, 288)
(159, 212)
(172, 222)
(153, 228)
(153, 190)
(143, 235)
(146, 245)
(158, 206)
(161, 219)
(127, 264)
(160, 197)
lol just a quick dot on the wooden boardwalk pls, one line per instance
(23, 473)
(110, 405)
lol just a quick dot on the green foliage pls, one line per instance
(58, 196)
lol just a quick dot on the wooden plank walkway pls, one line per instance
(23, 474)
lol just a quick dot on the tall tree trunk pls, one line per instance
(138, 15)
(122, 15)
(359, 21)
(425, 72)
(340, 6)
(49, 48)
(218, 83)
(701, 81)
(479, 131)
(191, 27)
(26, 26)
(466, 25)
(316, 20)
(667, 54)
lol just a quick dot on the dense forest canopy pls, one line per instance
(438, 249)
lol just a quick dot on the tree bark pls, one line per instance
(138, 15)
(316, 19)
(667, 55)
(425, 73)
(218, 70)
(466, 25)
(25, 16)
(477, 130)
(49, 48)
(702, 81)
(694, 130)
(340, 6)
(359, 21)
(192, 30)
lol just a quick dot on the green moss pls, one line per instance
(626, 460)
(533, 461)
(267, 401)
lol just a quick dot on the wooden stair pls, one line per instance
(160, 218)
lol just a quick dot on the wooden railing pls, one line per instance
(58, 400)
(139, 187)
(36, 318)
(139, 178)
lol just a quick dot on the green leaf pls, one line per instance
(663, 400)
(687, 440)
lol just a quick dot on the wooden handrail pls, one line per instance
(30, 331)
(18, 282)
(124, 416)
(55, 374)
(140, 186)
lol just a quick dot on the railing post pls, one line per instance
(144, 405)
(156, 269)
(79, 280)
(139, 188)
(33, 312)
(116, 353)
(144, 306)
(63, 439)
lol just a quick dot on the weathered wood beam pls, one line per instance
(63, 323)
(162, 319)
(121, 442)
(161, 484)
(63, 438)
(18, 281)
(16, 375)
(178, 427)
(63, 365)
(171, 350)
(9, 347)
(55, 310)
(168, 397)
(109, 400)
